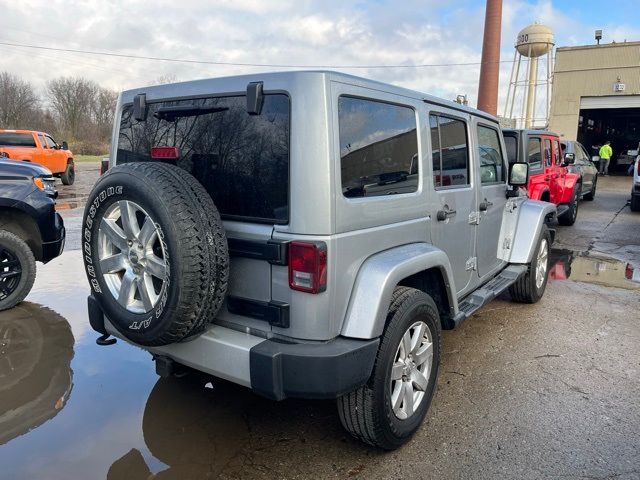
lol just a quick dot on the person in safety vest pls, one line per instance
(605, 157)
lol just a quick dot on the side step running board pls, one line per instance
(490, 290)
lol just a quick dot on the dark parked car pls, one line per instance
(30, 228)
(582, 165)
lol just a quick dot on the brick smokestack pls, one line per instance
(490, 68)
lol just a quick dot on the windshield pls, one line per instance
(242, 160)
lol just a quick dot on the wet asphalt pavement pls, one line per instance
(550, 390)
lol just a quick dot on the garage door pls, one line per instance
(610, 101)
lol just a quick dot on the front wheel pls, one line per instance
(391, 406)
(531, 286)
(592, 194)
(570, 216)
(69, 175)
(17, 270)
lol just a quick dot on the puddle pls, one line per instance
(581, 267)
(36, 348)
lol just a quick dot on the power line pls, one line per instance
(236, 64)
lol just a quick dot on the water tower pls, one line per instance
(534, 42)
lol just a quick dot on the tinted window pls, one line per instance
(490, 154)
(534, 154)
(378, 148)
(43, 143)
(512, 148)
(450, 151)
(556, 149)
(242, 160)
(17, 140)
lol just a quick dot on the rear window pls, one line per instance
(242, 160)
(17, 140)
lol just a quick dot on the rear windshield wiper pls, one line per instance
(171, 113)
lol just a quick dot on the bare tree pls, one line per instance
(73, 100)
(18, 101)
(104, 107)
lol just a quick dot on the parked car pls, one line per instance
(41, 148)
(549, 178)
(311, 241)
(635, 187)
(30, 228)
(579, 162)
(627, 158)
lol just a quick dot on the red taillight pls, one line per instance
(165, 153)
(308, 266)
(638, 167)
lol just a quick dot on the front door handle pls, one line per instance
(484, 206)
(442, 215)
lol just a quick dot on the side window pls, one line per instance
(490, 155)
(556, 149)
(50, 142)
(534, 154)
(450, 153)
(42, 141)
(547, 152)
(512, 148)
(378, 148)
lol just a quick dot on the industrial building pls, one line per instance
(596, 96)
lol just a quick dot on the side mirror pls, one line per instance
(569, 158)
(140, 107)
(255, 98)
(65, 146)
(519, 174)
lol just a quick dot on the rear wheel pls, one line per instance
(592, 194)
(531, 286)
(17, 270)
(570, 216)
(635, 203)
(69, 175)
(391, 406)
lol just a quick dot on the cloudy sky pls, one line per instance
(293, 32)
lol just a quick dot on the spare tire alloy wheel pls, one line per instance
(155, 252)
(132, 256)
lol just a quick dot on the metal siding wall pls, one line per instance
(588, 72)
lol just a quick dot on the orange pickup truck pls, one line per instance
(38, 147)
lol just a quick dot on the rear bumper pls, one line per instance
(271, 368)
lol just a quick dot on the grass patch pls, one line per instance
(89, 158)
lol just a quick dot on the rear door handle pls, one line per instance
(442, 215)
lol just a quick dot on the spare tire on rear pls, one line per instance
(155, 252)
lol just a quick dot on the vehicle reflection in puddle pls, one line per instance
(579, 267)
(36, 348)
(194, 431)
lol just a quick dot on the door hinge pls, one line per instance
(471, 264)
(474, 218)
(506, 243)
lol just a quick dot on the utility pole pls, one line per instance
(490, 68)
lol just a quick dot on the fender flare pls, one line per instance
(538, 191)
(519, 237)
(377, 278)
(570, 181)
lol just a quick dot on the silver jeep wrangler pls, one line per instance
(308, 234)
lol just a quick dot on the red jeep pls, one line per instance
(549, 179)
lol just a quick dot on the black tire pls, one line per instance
(526, 290)
(570, 216)
(69, 175)
(592, 194)
(17, 270)
(191, 243)
(367, 412)
(635, 203)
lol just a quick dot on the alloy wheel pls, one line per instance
(411, 370)
(541, 263)
(10, 272)
(132, 256)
